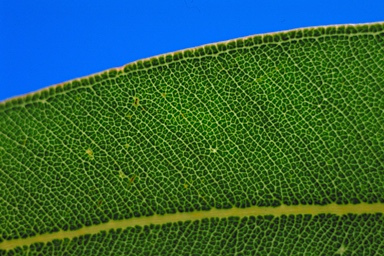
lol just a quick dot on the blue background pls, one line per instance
(49, 42)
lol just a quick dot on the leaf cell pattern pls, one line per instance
(292, 118)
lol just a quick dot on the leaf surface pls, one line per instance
(270, 144)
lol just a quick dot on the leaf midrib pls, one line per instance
(336, 209)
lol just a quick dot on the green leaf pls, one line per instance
(270, 144)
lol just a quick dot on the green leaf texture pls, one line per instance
(269, 144)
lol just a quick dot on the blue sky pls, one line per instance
(48, 42)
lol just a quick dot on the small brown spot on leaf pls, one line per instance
(136, 101)
(132, 178)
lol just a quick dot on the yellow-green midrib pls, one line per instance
(333, 209)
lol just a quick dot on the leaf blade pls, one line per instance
(291, 118)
